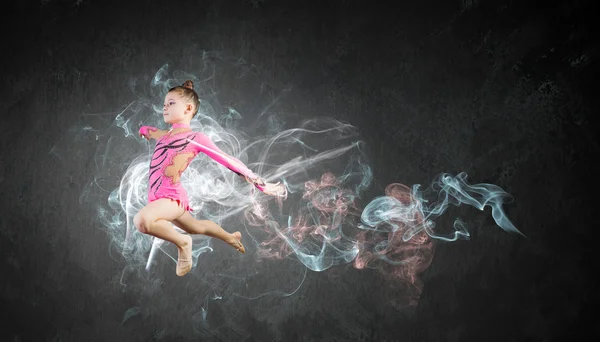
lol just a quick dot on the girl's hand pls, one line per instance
(146, 131)
(271, 189)
(274, 189)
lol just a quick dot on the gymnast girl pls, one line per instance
(167, 199)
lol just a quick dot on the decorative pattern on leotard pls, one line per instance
(168, 147)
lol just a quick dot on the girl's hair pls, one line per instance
(186, 90)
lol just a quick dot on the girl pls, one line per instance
(168, 201)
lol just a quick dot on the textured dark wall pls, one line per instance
(501, 90)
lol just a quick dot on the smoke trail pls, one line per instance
(411, 207)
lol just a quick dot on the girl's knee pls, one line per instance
(142, 222)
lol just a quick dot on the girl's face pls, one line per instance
(176, 109)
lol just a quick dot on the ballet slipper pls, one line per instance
(184, 260)
(238, 246)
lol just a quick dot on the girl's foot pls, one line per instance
(234, 241)
(184, 258)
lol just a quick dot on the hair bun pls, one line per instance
(188, 84)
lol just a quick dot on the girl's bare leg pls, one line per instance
(154, 219)
(188, 223)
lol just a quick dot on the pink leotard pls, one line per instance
(169, 146)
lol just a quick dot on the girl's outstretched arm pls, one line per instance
(150, 132)
(207, 146)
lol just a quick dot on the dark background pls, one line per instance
(499, 89)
